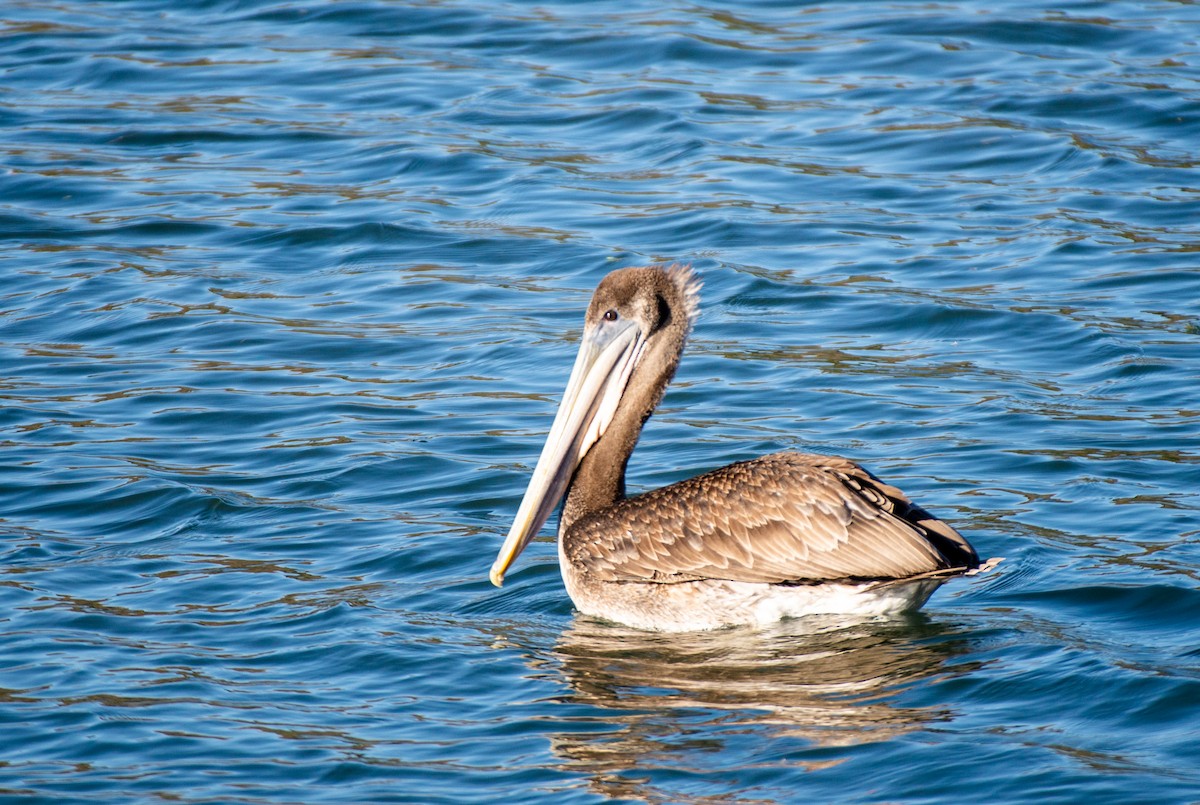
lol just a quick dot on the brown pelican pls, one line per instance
(788, 534)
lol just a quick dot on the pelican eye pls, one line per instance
(611, 315)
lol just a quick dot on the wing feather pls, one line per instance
(788, 517)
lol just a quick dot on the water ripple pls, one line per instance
(292, 289)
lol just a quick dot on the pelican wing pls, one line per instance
(788, 517)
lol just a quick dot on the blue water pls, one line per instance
(290, 290)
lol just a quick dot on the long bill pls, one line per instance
(607, 356)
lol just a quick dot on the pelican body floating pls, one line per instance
(785, 535)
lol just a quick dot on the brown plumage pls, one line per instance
(787, 517)
(734, 545)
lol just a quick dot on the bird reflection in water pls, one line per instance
(706, 701)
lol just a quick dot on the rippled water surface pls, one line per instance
(289, 292)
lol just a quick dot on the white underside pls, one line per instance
(713, 604)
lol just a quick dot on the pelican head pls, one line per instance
(633, 334)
